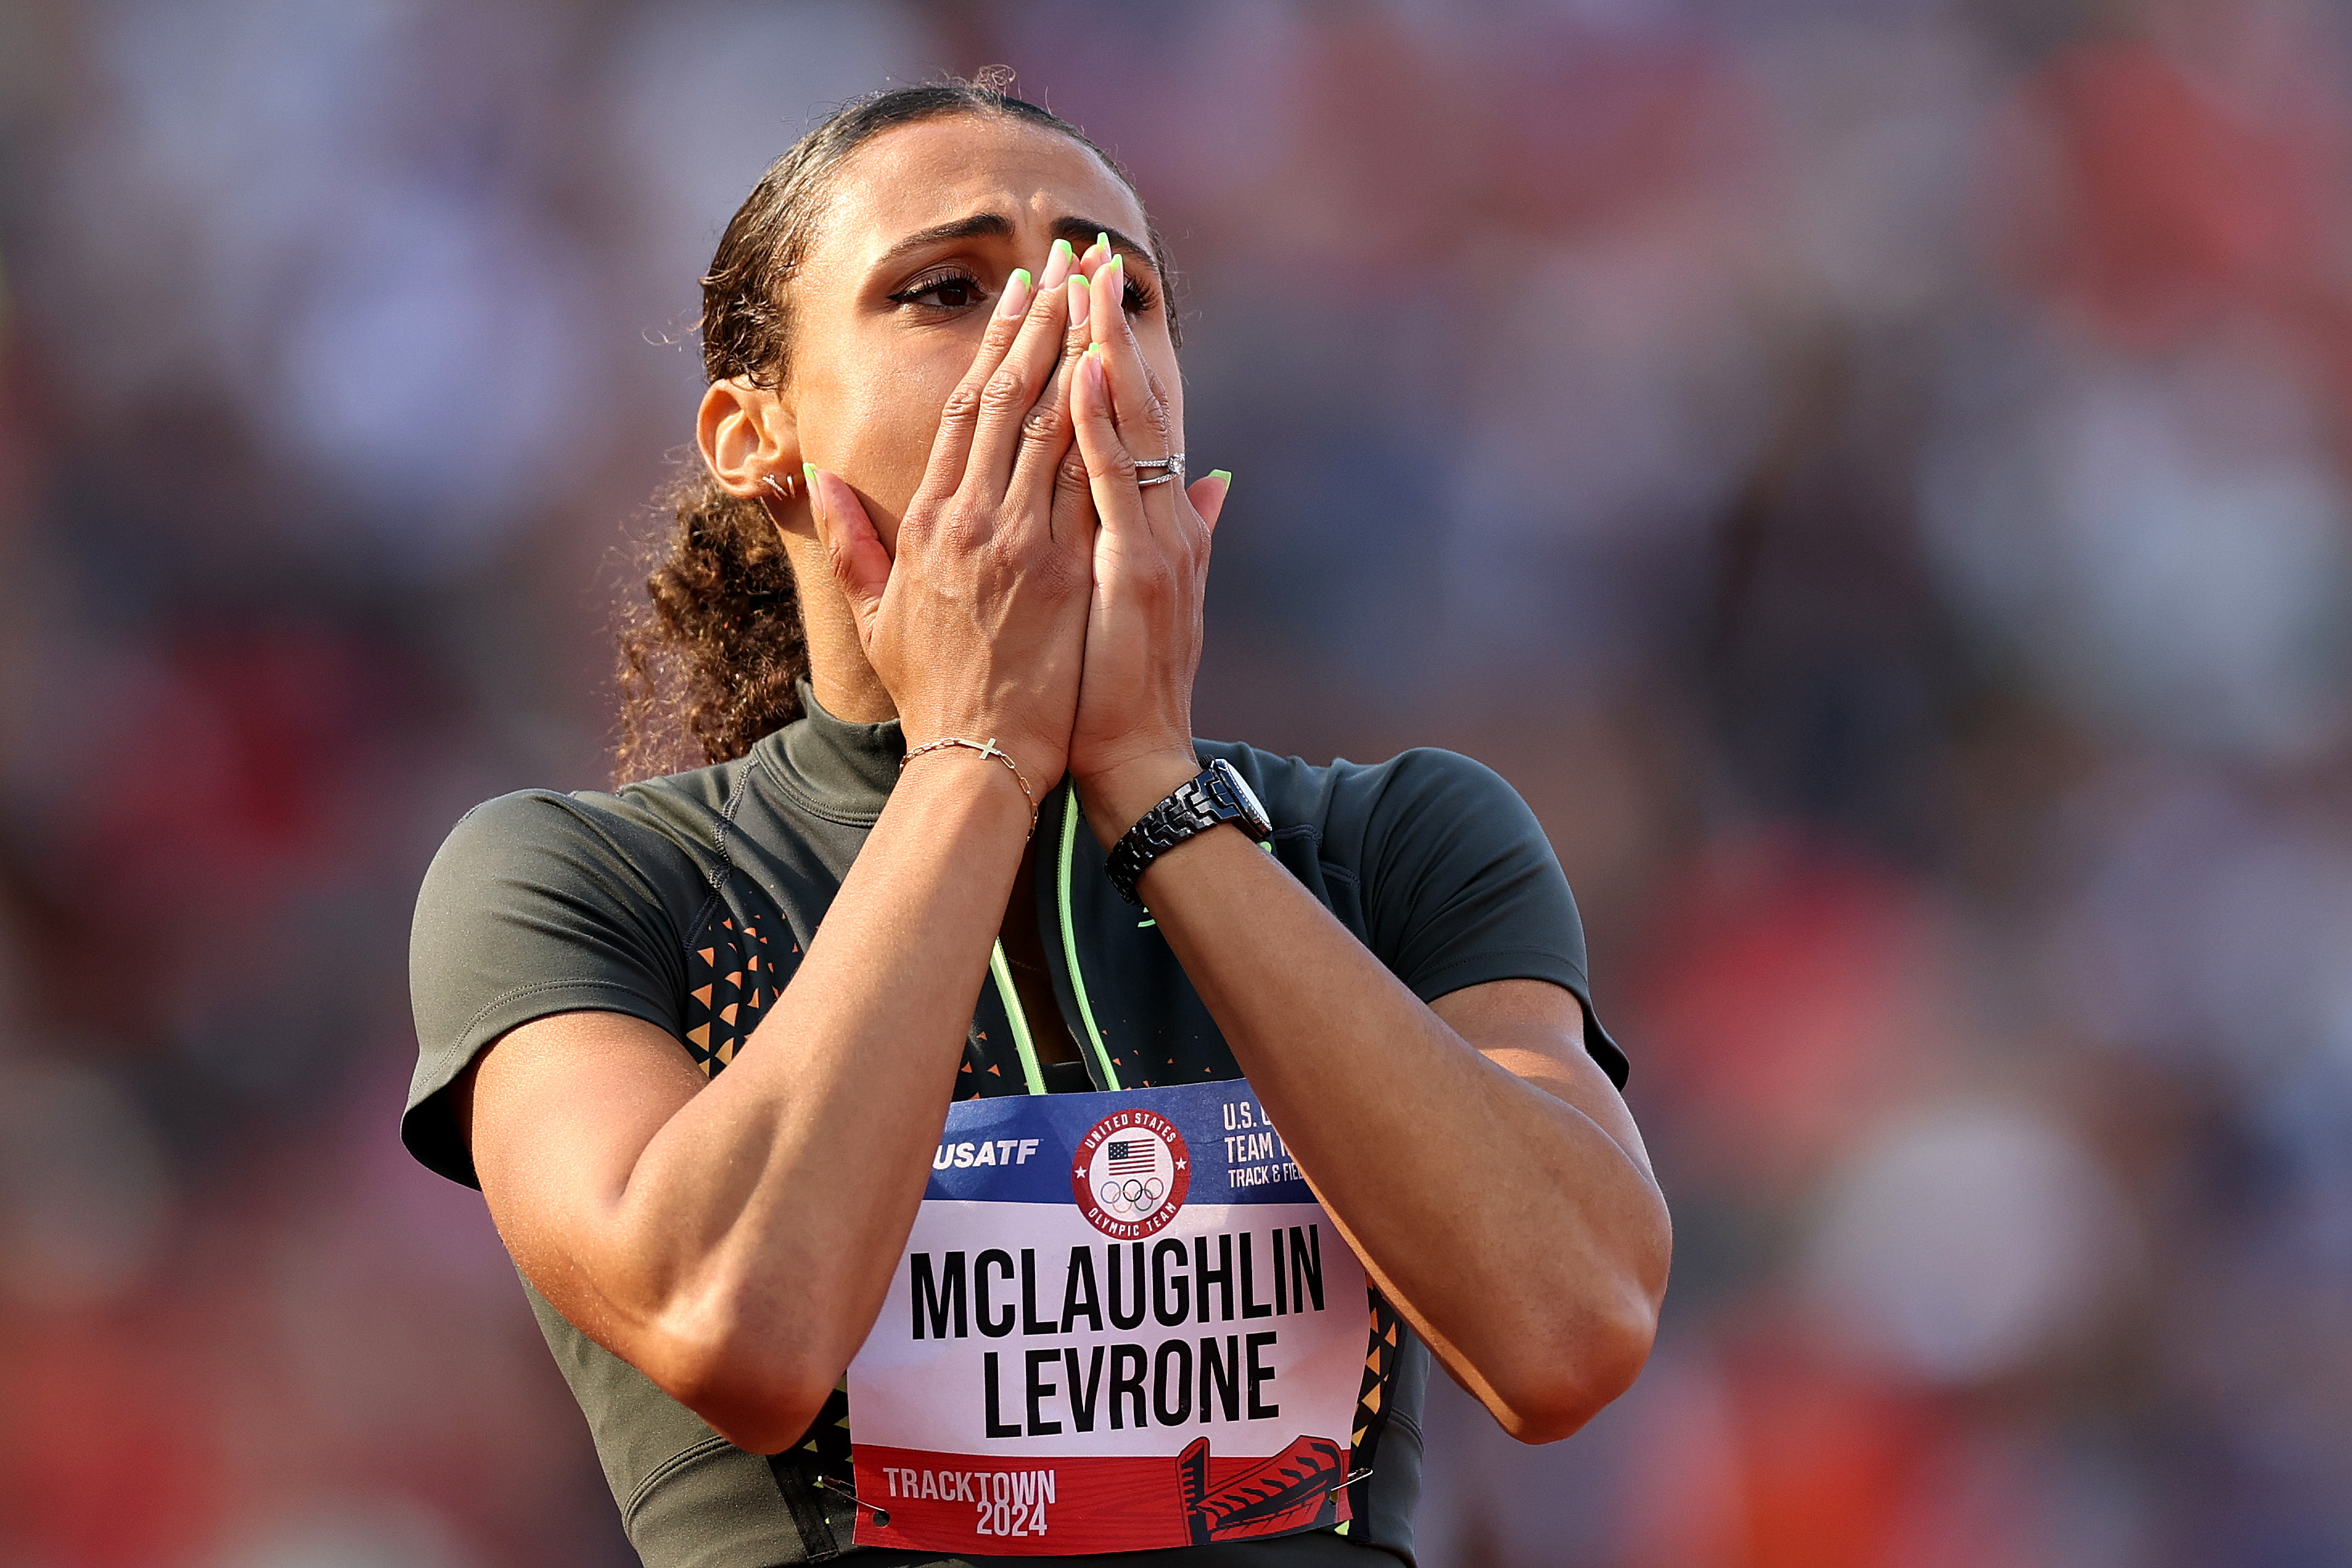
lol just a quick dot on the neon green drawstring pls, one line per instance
(1030, 1073)
(1002, 969)
(1070, 942)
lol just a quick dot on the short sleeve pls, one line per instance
(1461, 888)
(535, 905)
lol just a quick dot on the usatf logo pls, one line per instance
(1131, 1175)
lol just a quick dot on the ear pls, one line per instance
(746, 433)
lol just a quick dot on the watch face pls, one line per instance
(1252, 815)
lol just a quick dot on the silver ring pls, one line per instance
(1173, 463)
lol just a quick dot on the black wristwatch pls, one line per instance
(1213, 796)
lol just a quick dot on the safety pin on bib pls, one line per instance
(881, 1515)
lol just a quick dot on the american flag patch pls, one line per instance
(1132, 1159)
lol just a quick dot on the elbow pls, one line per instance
(752, 1395)
(1576, 1370)
(1593, 1343)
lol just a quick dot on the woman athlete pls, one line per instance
(944, 382)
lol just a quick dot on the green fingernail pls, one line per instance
(1015, 300)
(808, 472)
(1062, 249)
(1102, 237)
(1224, 474)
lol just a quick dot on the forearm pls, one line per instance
(1522, 1239)
(765, 1214)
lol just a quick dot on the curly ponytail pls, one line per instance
(712, 655)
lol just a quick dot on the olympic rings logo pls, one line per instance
(1132, 1196)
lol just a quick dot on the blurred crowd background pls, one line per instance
(1875, 475)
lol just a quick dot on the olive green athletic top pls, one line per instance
(688, 900)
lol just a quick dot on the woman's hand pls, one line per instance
(976, 628)
(1133, 739)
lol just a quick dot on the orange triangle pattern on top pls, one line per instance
(731, 985)
(1380, 1358)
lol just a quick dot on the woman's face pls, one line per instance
(924, 225)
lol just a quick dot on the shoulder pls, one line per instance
(645, 829)
(1436, 863)
(540, 902)
(543, 819)
(645, 859)
(1353, 808)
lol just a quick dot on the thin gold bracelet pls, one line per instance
(988, 748)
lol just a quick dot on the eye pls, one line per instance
(1140, 297)
(953, 290)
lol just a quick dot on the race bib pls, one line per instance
(1122, 1322)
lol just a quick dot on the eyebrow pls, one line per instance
(1079, 231)
(979, 225)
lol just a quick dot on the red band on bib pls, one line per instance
(1066, 1506)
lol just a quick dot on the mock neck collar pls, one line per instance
(847, 768)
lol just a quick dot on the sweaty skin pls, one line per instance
(975, 558)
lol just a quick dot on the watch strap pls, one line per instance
(1200, 803)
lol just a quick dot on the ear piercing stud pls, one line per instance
(787, 487)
